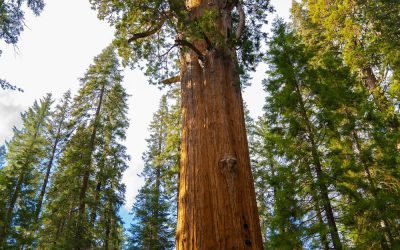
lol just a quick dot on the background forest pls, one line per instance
(324, 153)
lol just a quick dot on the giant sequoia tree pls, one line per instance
(218, 41)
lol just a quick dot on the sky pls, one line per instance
(54, 51)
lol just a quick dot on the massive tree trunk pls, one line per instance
(217, 204)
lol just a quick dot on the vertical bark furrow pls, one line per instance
(216, 186)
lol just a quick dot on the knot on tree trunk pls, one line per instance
(228, 164)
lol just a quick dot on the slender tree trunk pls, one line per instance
(374, 89)
(320, 175)
(156, 212)
(217, 205)
(60, 227)
(383, 104)
(87, 171)
(93, 214)
(48, 169)
(314, 195)
(46, 178)
(384, 225)
(99, 179)
(106, 241)
(14, 197)
(10, 209)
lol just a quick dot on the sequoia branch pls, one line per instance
(185, 43)
(148, 32)
(171, 80)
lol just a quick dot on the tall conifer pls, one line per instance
(20, 178)
(155, 207)
(86, 191)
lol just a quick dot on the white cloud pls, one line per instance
(9, 114)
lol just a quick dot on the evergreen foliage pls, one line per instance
(20, 178)
(6, 85)
(12, 18)
(12, 24)
(57, 133)
(151, 30)
(86, 191)
(61, 184)
(154, 211)
(316, 152)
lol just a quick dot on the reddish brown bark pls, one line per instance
(217, 205)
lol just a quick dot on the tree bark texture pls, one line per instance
(217, 204)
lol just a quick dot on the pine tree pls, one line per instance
(362, 32)
(371, 130)
(290, 78)
(171, 153)
(21, 176)
(314, 96)
(86, 192)
(154, 210)
(109, 192)
(276, 189)
(57, 135)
